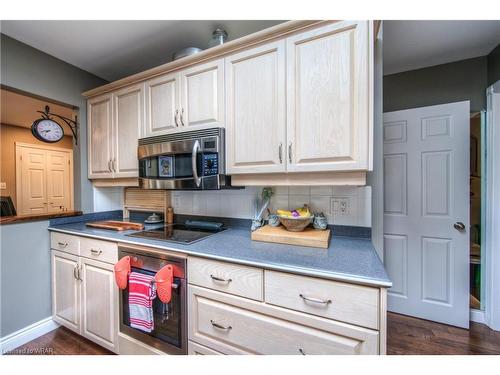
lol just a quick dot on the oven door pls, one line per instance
(170, 320)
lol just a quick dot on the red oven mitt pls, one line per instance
(122, 270)
(164, 279)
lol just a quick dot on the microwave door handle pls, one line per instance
(196, 148)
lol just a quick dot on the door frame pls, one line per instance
(492, 237)
(19, 146)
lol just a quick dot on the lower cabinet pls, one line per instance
(85, 298)
(235, 325)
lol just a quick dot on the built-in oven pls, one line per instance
(170, 319)
(192, 160)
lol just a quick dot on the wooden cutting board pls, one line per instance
(308, 237)
(116, 225)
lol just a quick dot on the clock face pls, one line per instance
(47, 130)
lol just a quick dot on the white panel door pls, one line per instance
(256, 110)
(329, 81)
(162, 105)
(426, 193)
(202, 96)
(32, 182)
(65, 290)
(99, 130)
(128, 121)
(59, 181)
(99, 303)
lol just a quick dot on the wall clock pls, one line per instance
(47, 130)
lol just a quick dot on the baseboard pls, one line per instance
(477, 316)
(26, 334)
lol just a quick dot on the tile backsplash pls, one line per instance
(343, 205)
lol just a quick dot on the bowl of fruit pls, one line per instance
(295, 220)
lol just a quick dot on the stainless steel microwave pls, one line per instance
(192, 160)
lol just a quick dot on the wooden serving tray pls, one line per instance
(116, 225)
(308, 237)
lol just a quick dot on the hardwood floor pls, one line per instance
(60, 341)
(406, 335)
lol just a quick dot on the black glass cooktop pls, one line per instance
(179, 233)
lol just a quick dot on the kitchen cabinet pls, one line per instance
(328, 98)
(318, 119)
(84, 294)
(100, 142)
(188, 99)
(114, 126)
(128, 120)
(256, 110)
(65, 290)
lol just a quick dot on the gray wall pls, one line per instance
(494, 66)
(440, 84)
(31, 70)
(25, 275)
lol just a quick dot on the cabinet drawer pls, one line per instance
(197, 349)
(334, 300)
(99, 250)
(65, 242)
(230, 278)
(231, 329)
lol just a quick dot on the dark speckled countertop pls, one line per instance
(348, 258)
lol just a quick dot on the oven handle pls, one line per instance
(196, 148)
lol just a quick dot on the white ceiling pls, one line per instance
(412, 45)
(115, 49)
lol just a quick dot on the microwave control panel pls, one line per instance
(210, 164)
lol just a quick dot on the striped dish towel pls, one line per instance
(141, 294)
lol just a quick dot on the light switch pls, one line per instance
(341, 206)
(3, 185)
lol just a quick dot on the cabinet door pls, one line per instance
(65, 290)
(256, 110)
(202, 96)
(99, 303)
(162, 105)
(328, 98)
(99, 130)
(59, 181)
(128, 120)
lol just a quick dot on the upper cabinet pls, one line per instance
(328, 118)
(115, 122)
(189, 99)
(162, 105)
(256, 110)
(202, 96)
(99, 130)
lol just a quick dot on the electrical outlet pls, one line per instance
(3, 185)
(341, 206)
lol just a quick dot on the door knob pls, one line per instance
(459, 226)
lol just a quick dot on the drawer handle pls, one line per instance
(63, 244)
(96, 252)
(216, 325)
(301, 351)
(315, 300)
(221, 280)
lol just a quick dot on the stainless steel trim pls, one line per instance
(166, 148)
(194, 153)
(315, 300)
(207, 183)
(219, 326)
(220, 279)
(280, 153)
(183, 135)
